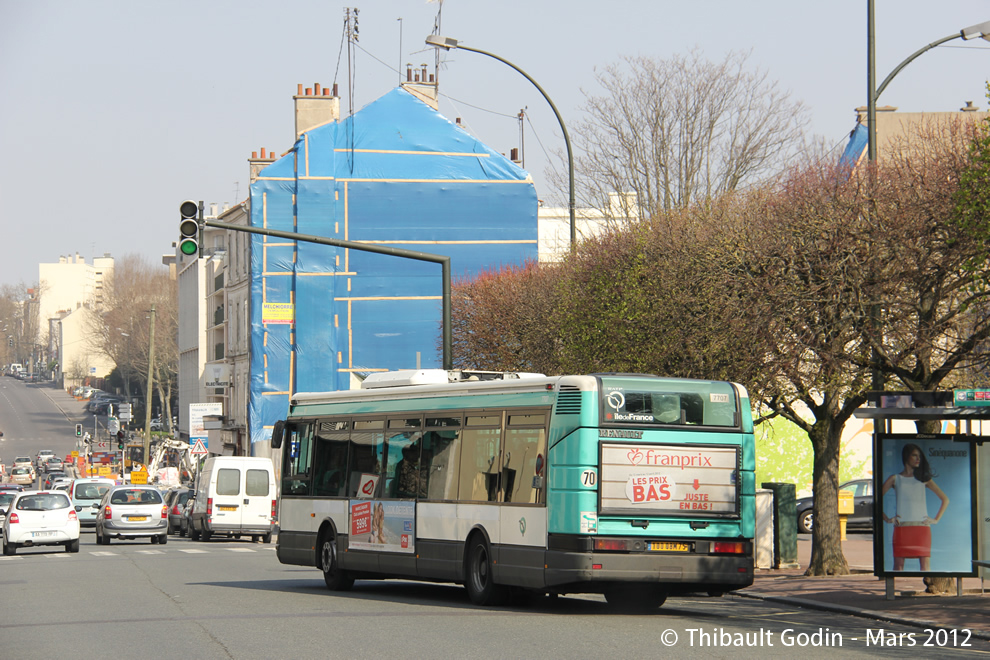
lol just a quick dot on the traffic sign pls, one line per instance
(101, 445)
(199, 449)
(124, 412)
(113, 425)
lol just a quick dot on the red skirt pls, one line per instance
(913, 541)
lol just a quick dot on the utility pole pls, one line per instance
(147, 392)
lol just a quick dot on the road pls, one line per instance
(30, 421)
(233, 599)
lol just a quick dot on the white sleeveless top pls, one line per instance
(911, 505)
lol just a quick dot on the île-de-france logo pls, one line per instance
(635, 456)
(522, 526)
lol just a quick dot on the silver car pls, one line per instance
(130, 512)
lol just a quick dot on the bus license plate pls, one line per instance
(226, 507)
(664, 546)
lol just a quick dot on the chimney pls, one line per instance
(257, 163)
(421, 85)
(315, 106)
(969, 107)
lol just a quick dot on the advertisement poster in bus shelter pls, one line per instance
(388, 526)
(926, 509)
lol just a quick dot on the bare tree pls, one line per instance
(123, 327)
(680, 131)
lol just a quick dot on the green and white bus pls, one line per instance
(628, 485)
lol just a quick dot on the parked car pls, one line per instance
(862, 518)
(99, 403)
(132, 511)
(51, 477)
(40, 517)
(176, 499)
(22, 475)
(86, 494)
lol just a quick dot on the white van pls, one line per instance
(235, 495)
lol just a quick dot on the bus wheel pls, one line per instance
(336, 579)
(636, 599)
(480, 580)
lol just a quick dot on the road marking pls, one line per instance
(10, 558)
(240, 549)
(104, 554)
(194, 551)
(62, 556)
(150, 552)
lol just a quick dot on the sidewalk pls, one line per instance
(863, 594)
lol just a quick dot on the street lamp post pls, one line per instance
(980, 31)
(147, 392)
(447, 43)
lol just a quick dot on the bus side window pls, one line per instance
(480, 460)
(367, 447)
(439, 463)
(522, 447)
(296, 463)
(330, 458)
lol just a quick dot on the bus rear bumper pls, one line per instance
(597, 571)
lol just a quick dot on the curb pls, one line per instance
(855, 611)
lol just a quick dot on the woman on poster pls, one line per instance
(912, 525)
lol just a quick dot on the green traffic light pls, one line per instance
(188, 247)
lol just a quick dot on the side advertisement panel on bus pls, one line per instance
(384, 525)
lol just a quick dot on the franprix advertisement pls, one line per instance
(389, 526)
(688, 480)
(926, 505)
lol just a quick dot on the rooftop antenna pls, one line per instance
(436, 54)
(237, 190)
(400, 50)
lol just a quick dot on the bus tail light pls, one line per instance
(611, 544)
(729, 548)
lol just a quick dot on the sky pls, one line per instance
(112, 112)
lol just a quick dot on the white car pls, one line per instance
(40, 517)
(43, 457)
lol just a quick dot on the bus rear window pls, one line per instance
(674, 402)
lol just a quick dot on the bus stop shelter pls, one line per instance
(928, 495)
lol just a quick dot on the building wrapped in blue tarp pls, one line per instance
(396, 173)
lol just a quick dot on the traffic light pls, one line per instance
(120, 440)
(78, 430)
(189, 228)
